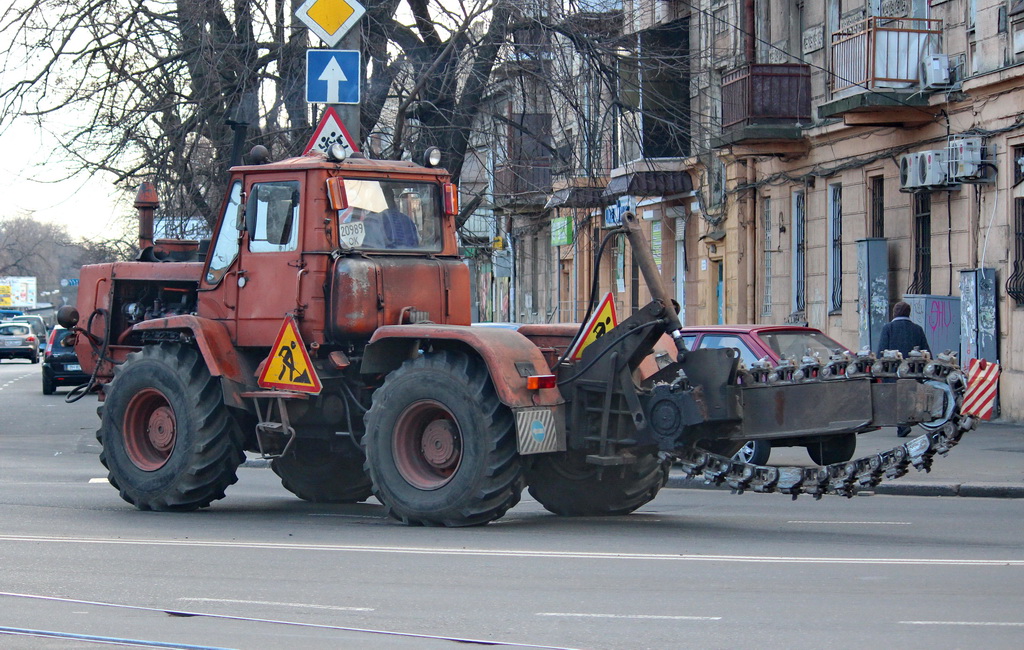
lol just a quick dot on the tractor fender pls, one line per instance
(509, 356)
(214, 343)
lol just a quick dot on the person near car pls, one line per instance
(904, 335)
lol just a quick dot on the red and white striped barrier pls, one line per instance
(982, 381)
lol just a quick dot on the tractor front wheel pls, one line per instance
(168, 441)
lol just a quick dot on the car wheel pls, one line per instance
(48, 386)
(835, 449)
(755, 452)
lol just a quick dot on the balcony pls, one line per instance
(523, 184)
(876, 66)
(764, 108)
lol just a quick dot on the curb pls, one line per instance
(982, 490)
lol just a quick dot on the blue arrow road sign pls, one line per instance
(332, 76)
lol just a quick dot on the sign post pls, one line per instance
(333, 22)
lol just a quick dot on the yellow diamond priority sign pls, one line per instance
(330, 19)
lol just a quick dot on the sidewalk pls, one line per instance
(988, 462)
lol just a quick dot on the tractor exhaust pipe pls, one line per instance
(146, 202)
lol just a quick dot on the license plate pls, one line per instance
(11, 343)
(72, 366)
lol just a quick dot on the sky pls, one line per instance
(88, 207)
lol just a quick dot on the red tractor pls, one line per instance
(327, 328)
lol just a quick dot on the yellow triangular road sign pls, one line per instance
(600, 323)
(288, 367)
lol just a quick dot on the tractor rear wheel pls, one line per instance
(168, 440)
(567, 485)
(440, 446)
(316, 473)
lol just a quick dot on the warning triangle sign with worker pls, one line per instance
(288, 367)
(602, 322)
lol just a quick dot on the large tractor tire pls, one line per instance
(314, 472)
(440, 447)
(167, 438)
(834, 449)
(567, 485)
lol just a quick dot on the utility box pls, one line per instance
(872, 290)
(979, 328)
(940, 318)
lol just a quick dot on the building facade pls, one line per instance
(792, 162)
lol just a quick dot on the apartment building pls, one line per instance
(791, 161)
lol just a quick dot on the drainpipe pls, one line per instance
(751, 235)
(749, 18)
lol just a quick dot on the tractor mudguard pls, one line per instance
(218, 352)
(510, 357)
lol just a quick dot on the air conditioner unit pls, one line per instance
(966, 155)
(935, 71)
(909, 177)
(932, 169)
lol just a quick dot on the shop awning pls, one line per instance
(576, 197)
(649, 184)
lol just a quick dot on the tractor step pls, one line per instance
(274, 433)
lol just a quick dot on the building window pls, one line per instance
(922, 278)
(766, 219)
(877, 206)
(835, 227)
(799, 216)
(1015, 283)
(1018, 165)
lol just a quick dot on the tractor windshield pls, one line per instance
(391, 215)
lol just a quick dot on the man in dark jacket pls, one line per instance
(904, 335)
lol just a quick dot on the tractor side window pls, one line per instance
(226, 249)
(274, 209)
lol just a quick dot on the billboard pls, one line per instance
(17, 292)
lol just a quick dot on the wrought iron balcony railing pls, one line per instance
(766, 94)
(880, 52)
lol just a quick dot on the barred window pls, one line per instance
(1015, 283)
(835, 272)
(766, 217)
(877, 206)
(922, 277)
(799, 251)
(1018, 165)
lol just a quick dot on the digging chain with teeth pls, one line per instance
(845, 478)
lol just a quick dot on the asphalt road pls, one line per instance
(695, 568)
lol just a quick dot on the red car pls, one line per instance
(773, 343)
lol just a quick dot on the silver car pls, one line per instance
(18, 342)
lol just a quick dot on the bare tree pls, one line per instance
(156, 89)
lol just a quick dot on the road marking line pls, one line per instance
(633, 616)
(980, 623)
(276, 604)
(98, 480)
(3, 386)
(250, 619)
(511, 553)
(851, 523)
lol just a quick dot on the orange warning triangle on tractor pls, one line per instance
(602, 322)
(288, 367)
